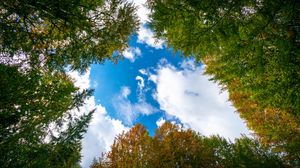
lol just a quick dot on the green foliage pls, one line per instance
(254, 41)
(65, 32)
(279, 129)
(39, 40)
(38, 128)
(172, 146)
(250, 48)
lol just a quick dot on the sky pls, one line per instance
(151, 85)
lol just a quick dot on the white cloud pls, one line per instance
(137, 51)
(127, 110)
(80, 80)
(186, 64)
(143, 72)
(160, 122)
(189, 95)
(141, 83)
(102, 128)
(125, 91)
(146, 36)
(142, 11)
(100, 134)
(132, 53)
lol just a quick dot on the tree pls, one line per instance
(173, 146)
(283, 138)
(56, 34)
(38, 125)
(176, 147)
(246, 152)
(250, 48)
(253, 41)
(130, 149)
(39, 41)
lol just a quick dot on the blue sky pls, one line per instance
(110, 79)
(150, 85)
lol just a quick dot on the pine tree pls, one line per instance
(38, 126)
(251, 48)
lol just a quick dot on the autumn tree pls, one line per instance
(176, 147)
(256, 42)
(267, 123)
(38, 122)
(250, 48)
(60, 33)
(173, 146)
(130, 149)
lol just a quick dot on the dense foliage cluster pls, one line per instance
(65, 32)
(40, 122)
(251, 48)
(173, 146)
(34, 107)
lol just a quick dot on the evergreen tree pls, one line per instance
(38, 126)
(39, 40)
(250, 48)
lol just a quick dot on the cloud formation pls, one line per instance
(197, 102)
(146, 36)
(141, 82)
(160, 122)
(102, 128)
(132, 53)
(142, 10)
(100, 134)
(127, 110)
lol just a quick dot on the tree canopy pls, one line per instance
(63, 33)
(250, 48)
(173, 146)
(256, 42)
(38, 127)
(40, 40)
